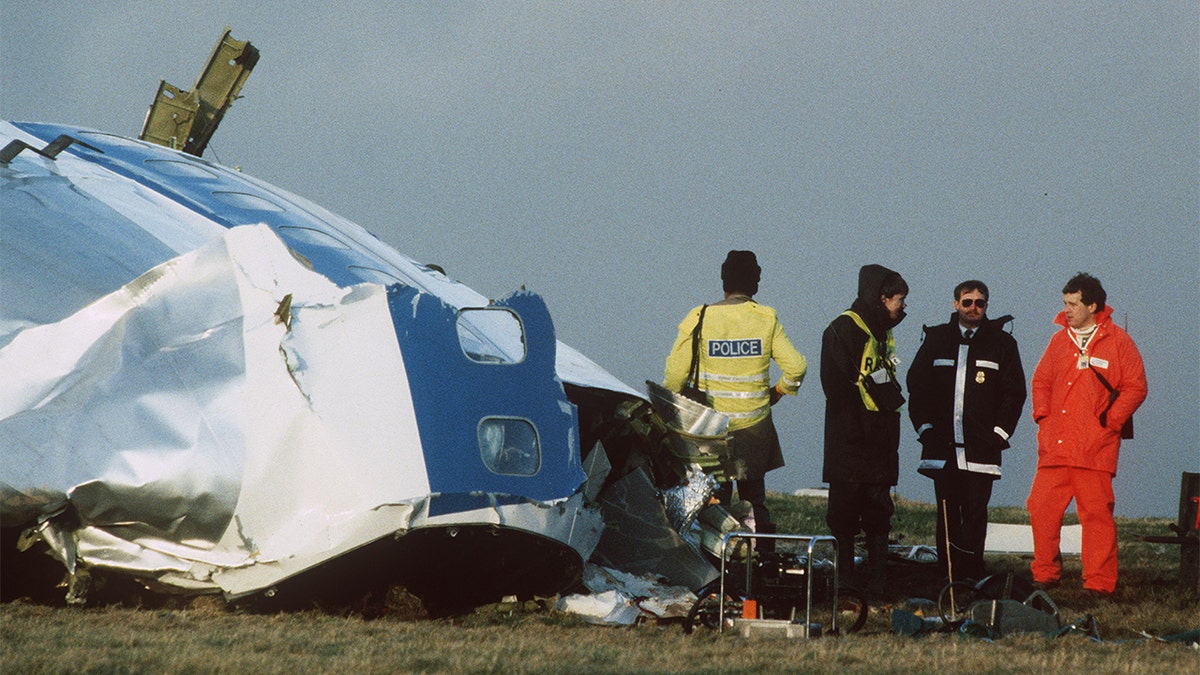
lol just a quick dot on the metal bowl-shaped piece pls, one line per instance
(684, 414)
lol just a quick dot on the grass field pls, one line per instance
(206, 636)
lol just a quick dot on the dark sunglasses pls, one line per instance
(967, 302)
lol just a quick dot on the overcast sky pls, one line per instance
(607, 155)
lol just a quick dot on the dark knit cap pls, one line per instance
(740, 272)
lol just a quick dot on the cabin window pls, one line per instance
(378, 276)
(175, 167)
(115, 139)
(509, 446)
(249, 202)
(491, 335)
(312, 236)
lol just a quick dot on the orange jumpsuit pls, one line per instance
(1077, 455)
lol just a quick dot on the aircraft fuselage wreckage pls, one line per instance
(212, 385)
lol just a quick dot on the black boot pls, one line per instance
(877, 551)
(845, 560)
(765, 545)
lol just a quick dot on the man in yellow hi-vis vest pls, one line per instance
(862, 420)
(738, 340)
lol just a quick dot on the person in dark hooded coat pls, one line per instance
(862, 419)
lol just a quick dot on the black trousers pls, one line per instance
(962, 501)
(860, 506)
(855, 507)
(751, 490)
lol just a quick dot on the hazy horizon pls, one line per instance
(607, 156)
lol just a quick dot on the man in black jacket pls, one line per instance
(862, 419)
(966, 391)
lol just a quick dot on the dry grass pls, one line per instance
(208, 638)
(42, 639)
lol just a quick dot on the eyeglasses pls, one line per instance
(967, 302)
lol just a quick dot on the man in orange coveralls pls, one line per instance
(1085, 389)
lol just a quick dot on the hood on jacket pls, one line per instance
(871, 279)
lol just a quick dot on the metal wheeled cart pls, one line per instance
(780, 580)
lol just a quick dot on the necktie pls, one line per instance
(969, 333)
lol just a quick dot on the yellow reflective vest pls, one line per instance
(738, 340)
(875, 355)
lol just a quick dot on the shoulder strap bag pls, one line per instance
(691, 386)
(1127, 427)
